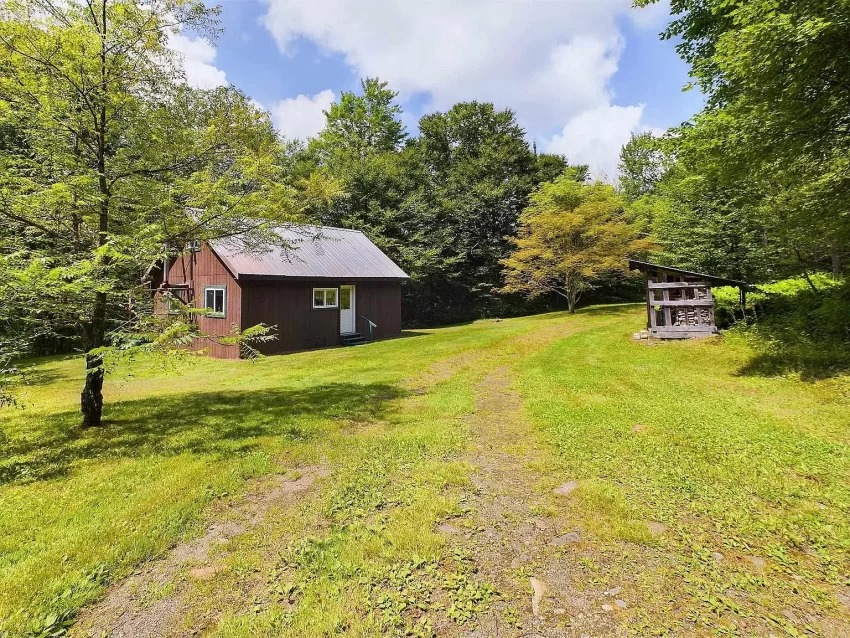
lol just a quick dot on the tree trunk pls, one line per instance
(572, 298)
(91, 400)
(805, 271)
(573, 292)
(835, 255)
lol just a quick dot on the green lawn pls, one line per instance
(752, 468)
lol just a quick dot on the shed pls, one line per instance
(329, 286)
(679, 303)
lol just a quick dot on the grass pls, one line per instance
(748, 466)
(753, 468)
(81, 508)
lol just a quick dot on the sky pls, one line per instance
(581, 75)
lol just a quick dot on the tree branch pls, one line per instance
(150, 172)
(28, 222)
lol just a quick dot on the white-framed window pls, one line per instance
(171, 304)
(215, 300)
(324, 297)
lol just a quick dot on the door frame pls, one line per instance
(353, 311)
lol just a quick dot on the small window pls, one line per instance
(171, 304)
(324, 298)
(215, 298)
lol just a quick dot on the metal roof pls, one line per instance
(310, 252)
(634, 264)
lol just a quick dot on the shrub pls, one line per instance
(793, 326)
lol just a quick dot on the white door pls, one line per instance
(346, 309)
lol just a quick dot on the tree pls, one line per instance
(361, 151)
(776, 121)
(708, 227)
(110, 161)
(699, 222)
(480, 171)
(571, 236)
(550, 166)
(358, 126)
(641, 166)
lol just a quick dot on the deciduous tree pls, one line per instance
(571, 236)
(641, 166)
(362, 151)
(480, 171)
(775, 76)
(110, 160)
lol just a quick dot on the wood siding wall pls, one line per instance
(380, 302)
(289, 306)
(203, 269)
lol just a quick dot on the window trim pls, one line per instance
(212, 314)
(325, 290)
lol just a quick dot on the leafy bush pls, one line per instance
(795, 324)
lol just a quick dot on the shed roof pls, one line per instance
(311, 252)
(720, 281)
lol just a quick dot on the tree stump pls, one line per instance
(91, 399)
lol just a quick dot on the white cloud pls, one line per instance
(198, 58)
(302, 116)
(549, 61)
(654, 16)
(595, 137)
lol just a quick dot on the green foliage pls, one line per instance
(797, 325)
(774, 294)
(363, 173)
(480, 171)
(358, 126)
(700, 222)
(708, 228)
(110, 161)
(571, 236)
(550, 167)
(773, 138)
(641, 166)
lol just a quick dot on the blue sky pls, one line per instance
(580, 74)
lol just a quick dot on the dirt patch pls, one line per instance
(530, 554)
(532, 340)
(442, 371)
(151, 602)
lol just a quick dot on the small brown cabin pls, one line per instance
(330, 286)
(679, 303)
